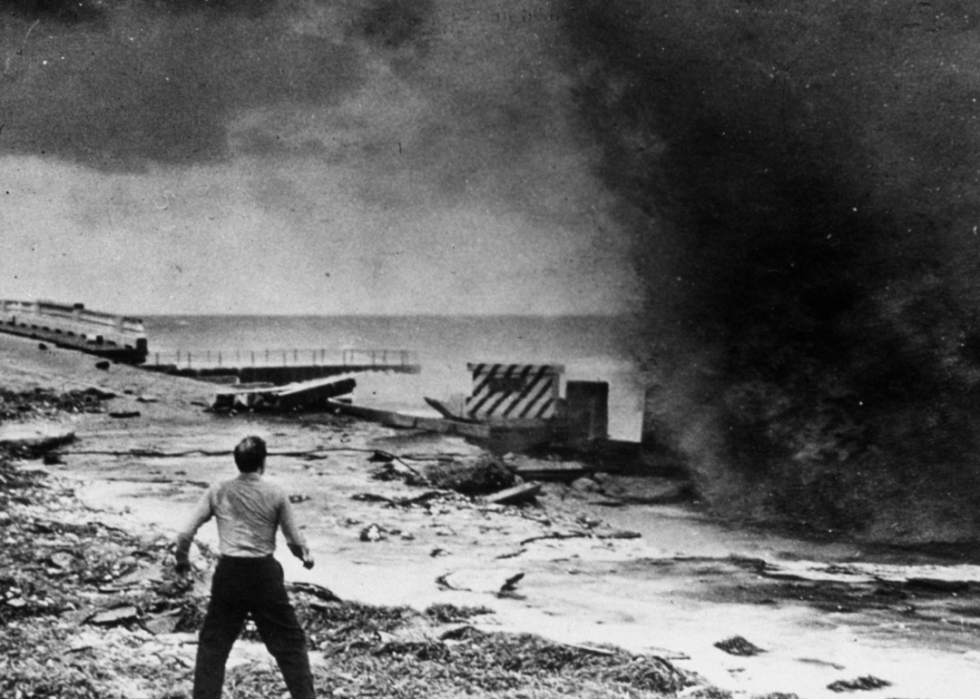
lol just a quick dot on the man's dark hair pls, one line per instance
(250, 454)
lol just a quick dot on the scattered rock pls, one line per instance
(860, 684)
(100, 393)
(62, 560)
(736, 645)
(372, 532)
(113, 617)
(162, 623)
(588, 522)
(586, 485)
(103, 365)
(122, 414)
(705, 693)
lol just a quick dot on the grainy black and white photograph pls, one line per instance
(512, 349)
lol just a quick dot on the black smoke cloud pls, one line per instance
(801, 181)
(65, 11)
(394, 23)
(117, 86)
(140, 82)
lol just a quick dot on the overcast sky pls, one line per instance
(300, 156)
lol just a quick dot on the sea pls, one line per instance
(589, 348)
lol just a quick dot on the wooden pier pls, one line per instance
(279, 366)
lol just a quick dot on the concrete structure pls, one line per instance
(587, 410)
(514, 391)
(118, 337)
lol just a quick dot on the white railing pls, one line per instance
(217, 359)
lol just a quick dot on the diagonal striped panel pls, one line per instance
(513, 391)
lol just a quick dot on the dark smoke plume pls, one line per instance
(119, 85)
(801, 178)
(393, 23)
(66, 11)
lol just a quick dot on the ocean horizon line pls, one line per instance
(388, 315)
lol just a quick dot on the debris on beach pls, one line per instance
(78, 596)
(114, 616)
(736, 645)
(20, 406)
(29, 440)
(524, 492)
(502, 582)
(292, 397)
(860, 684)
(372, 532)
(319, 591)
(716, 693)
(124, 414)
(482, 475)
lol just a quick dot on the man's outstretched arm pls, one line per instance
(294, 538)
(202, 513)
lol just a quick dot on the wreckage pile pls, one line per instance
(41, 403)
(90, 610)
(399, 652)
(77, 597)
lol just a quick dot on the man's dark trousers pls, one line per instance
(242, 586)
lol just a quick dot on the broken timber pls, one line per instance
(448, 412)
(294, 395)
(519, 493)
(412, 422)
(551, 471)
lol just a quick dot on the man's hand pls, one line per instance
(303, 554)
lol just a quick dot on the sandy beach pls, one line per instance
(596, 566)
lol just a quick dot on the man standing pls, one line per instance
(248, 580)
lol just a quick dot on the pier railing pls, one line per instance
(238, 358)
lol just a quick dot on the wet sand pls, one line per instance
(821, 612)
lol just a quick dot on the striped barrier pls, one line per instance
(514, 391)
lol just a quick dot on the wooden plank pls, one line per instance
(543, 471)
(518, 493)
(291, 395)
(392, 419)
(340, 386)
